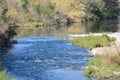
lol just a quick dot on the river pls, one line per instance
(47, 54)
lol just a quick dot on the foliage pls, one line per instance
(92, 41)
(3, 76)
(103, 65)
(37, 8)
(24, 4)
(45, 9)
(103, 9)
(3, 10)
(97, 11)
(28, 17)
(73, 9)
(108, 10)
(77, 11)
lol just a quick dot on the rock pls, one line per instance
(117, 73)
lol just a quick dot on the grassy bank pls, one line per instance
(93, 41)
(102, 66)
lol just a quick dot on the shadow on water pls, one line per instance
(103, 26)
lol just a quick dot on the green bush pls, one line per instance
(24, 4)
(92, 41)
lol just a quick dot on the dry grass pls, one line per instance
(110, 60)
(104, 65)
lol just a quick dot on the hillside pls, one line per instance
(50, 12)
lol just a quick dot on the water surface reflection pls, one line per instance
(63, 31)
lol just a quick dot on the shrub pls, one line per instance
(24, 4)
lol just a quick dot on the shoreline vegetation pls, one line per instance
(7, 32)
(103, 65)
(92, 41)
(37, 13)
(49, 12)
(3, 73)
(4, 76)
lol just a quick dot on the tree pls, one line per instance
(3, 10)
(110, 10)
(77, 11)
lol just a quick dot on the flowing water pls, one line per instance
(46, 58)
(50, 56)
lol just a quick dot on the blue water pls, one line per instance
(46, 58)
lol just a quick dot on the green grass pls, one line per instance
(100, 66)
(4, 76)
(103, 65)
(93, 41)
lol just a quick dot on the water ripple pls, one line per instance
(46, 58)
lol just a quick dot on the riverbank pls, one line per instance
(105, 59)
(7, 32)
(3, 72)
(102, 50)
